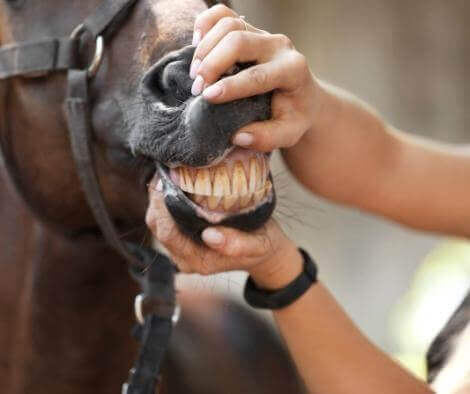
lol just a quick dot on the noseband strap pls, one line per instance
(38, 58)
(152, 270)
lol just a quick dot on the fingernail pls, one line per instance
(198, 85)
(243, 139)
(159, 186)
(194, 68)
(213, 236)
(212, 91)
(197, 37)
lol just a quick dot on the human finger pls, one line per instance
(238, 244)
(250, 82)
(269, 135)
(214, 36)
(235, 47)
(208, 18)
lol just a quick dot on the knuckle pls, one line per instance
(200, 20)
(291, 139)
(266, 244)
(284, 41)
(234, 250)
(221, 8)
(235, 39)
(150, 219)
(164, 233)
(229, 23)
(208, 69)
(258, 76)
(205, 269)
(266, 141)
(299, 61)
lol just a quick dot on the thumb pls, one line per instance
(234, 243)
(266, 136)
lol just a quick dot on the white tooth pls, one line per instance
(259, 174)
(181, 179)
(253, 176)
(239, 184)
(213, 202)
(229, 202)
(264, 171)
(203, 183)
(259, 195)
(268, 188)
(221, 182)
(188, 181)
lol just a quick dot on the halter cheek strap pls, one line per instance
(152, 270)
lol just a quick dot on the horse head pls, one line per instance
(144, 120)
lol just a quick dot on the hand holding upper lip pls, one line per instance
(225, 249)
(223, 39)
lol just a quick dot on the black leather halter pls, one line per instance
(154, 271)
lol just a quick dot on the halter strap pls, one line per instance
(108, 13)
(37, 58)
(80, 132)
(153, 271)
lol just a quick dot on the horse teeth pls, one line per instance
(239, 183)
(253, 176)
(268, 187)
(203, 186)
(245, 200)
(264, 173)
(213, 202)
(183, 184)
(229, 202)
(188, 181)
(258, 196)
(221, 183)
(246, 184)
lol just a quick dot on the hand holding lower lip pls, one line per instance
(224, 249)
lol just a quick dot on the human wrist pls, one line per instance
(279, 270)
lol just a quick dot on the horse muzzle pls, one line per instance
(206, 179)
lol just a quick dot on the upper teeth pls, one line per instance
(222, 181)
(237, 183)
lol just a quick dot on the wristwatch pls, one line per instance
(277, 299)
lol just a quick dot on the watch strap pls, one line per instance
(277, 299)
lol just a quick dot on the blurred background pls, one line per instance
(410, 60)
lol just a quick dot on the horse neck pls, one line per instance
(62, 305)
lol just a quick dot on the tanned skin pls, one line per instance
(340, 149)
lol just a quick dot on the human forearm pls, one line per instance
(352, 157)
(333, 356)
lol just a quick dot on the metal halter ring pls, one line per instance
(139, 315)
(99, 50)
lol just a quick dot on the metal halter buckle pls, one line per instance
(139, 314)
(99, 50)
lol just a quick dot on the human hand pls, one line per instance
(267, 255)
(224, 39)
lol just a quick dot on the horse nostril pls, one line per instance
(168, 80)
